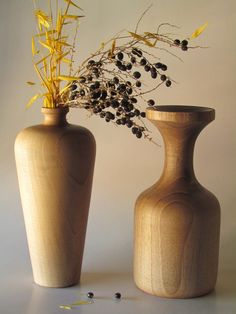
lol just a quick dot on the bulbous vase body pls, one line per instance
(55, 162)
(177, 220)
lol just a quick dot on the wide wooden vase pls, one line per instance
(177, 220)
(55, 162)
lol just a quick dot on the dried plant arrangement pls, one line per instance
(112, 82)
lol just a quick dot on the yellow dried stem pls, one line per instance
(141, 38)
(72, 3)
(68, 78)
(32, 100)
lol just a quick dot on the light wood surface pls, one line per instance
(177, 221)
(55, 162)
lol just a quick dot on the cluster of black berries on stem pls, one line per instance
(113, 85)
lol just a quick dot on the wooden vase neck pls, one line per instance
(55, 116)
(180, 127)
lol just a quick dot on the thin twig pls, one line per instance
(141, 17)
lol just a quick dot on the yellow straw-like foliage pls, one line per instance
(50, 47)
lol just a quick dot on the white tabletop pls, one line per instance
(18, 294)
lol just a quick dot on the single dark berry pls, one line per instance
(129, 124)
(177, 42)
(114, 103)
(133, 59)
(118, 295)
(128, 83)
(102, 114)
(147, 68)
(121, 87)
(118, 121)
(110, 115)
(164, 67)
(184, 48)
(158, 65)
(124, 102)
(151, 102)
(89, 78)
(73, 87)
(107, 103)
(82, 79)
(163, 77)
(143, 114)
(168, 83)
(137, 74)
(91, 62)
(118, 63)
(92, 87)
(129, 66)
(153, 73)
(120, 56)
(134, 130)
(184, 42)
(131, 106)
(123, 67)
(138, 84)
(129, 91)
(137, 112)
(139, 53)
(133, 100)
(138, 134)
(116, 80)
(134, 51)
(107, 119)
(132, 114)
(103, 95)
(143, 61)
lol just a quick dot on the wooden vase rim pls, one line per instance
(58, 110)
(180, 113)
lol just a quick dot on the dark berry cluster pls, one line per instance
(111, 88)
(183, 44)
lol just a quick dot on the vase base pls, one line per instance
(177, 296)
(59, 285)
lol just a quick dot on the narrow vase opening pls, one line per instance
(55, 116)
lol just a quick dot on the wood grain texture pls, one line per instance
(177, 221)
(55, 162)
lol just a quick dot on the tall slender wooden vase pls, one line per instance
(177, 221)
(55, 162)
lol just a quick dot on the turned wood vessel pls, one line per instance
(177, 220)
(55, 162)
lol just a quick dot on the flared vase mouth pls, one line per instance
(180, 113)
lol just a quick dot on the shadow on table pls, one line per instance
(104, 278)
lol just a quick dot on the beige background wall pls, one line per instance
(125, 166)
